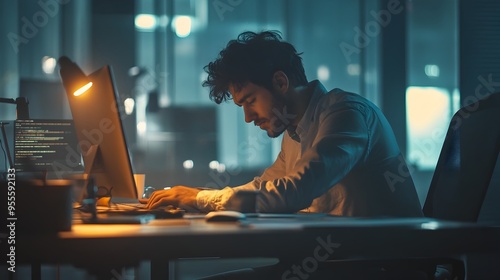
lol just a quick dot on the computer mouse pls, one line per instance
(224, 216)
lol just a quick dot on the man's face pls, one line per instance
(262, 107)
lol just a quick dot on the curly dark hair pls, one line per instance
(253, 57)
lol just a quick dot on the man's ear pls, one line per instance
(280, 81)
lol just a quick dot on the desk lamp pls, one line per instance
(77, 83)
(73, 78)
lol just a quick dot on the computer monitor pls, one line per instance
(100, 133)
(46, 145)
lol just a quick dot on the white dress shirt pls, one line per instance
(343, 160)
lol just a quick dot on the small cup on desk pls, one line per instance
(140, 180)
(245, 201)
(44, 206)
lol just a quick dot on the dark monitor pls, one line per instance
(467, 162)
(46, 145)
(101, 136)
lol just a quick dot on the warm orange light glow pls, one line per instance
(83, 89)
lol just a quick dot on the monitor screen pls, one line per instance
(101, 137)
(46, 145)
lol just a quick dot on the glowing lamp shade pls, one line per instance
(83, 89)
(74, 80)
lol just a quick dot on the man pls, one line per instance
(338, 153)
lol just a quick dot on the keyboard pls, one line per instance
(131, 209)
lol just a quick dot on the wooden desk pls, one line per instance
(102, 248)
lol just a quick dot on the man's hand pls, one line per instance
(179, 196)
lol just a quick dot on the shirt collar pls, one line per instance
(292, 132)
(318, 90)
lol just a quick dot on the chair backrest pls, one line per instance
(466, 163)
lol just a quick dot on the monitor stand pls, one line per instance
(92, 160)
(93, 163)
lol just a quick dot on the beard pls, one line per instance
(279, 120)
(276, 128)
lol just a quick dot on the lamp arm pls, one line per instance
(7, 100)
(21, 106)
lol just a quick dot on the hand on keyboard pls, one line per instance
(181, 196)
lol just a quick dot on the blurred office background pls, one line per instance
(419, 60)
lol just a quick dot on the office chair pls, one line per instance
(466, 163)
(464, 169)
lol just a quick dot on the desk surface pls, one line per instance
(295, 236)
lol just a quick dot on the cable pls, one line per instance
(4, 155)
(6, 142)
